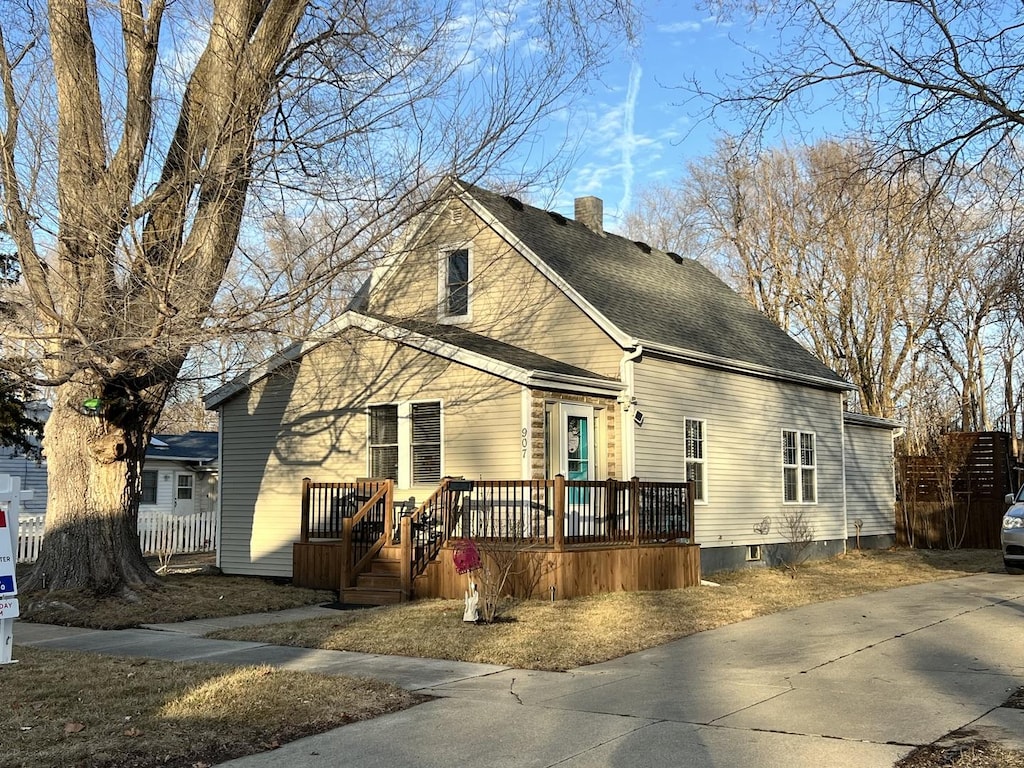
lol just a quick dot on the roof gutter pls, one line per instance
(579, 384)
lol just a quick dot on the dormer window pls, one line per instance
(454, 272)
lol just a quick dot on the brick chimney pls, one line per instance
(590, 213)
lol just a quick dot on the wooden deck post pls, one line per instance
(634, 509)
(389, 510)
(304, 524)
(559, 538)
(345, 551)
(407, 549)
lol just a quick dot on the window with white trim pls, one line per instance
(455, 266)
(405, 442)
(799, 467)
(693, 440)
(184, 488)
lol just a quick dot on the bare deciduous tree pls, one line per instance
(939, 78)
(140, 140)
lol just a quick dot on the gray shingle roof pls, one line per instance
(653, 297)
(192, 446)
(488, 347)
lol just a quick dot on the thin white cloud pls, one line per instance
(629, 138)
(679, 26)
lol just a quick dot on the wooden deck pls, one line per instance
(577, 572)
(579, 538)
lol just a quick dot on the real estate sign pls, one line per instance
(8, 608)
(11, 497)
(8, 584)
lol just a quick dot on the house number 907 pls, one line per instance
(525, 441)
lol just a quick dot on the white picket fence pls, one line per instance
(159, 533)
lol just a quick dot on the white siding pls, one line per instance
(870, 495)
(745, 416)
(310, 421)
(165, 485)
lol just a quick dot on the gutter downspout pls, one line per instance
(628, 434)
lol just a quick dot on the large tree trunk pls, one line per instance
(119, 320)
(92, 539)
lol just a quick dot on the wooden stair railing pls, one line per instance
(430, 525)
(349, 570)
(414, 552)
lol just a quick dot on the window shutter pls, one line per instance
(426, 443)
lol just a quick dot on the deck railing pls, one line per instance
(563, 512)
(325, 505)
(357, 514)
(556, 513)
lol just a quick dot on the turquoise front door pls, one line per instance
(577, 440)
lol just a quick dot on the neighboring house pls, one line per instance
(502, 341)
(180, 474)
(870, 480)
(31, 469)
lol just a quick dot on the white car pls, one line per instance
(1012, 534)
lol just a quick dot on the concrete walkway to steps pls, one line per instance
(854, 682)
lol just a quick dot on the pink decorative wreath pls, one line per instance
(465, 555)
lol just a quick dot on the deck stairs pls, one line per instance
(381, 584)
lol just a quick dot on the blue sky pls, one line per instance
(636, 127)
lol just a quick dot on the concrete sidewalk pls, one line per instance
(855, 682)
(183, 642)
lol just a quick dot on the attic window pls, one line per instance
(642, 246)
(675, 257)
(513, 202)
(559, 218)
(454, 268)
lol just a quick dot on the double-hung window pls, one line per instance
(693, 438)
(405, 442)
(384, 441)
(454, 269)
(799, 468)
(148, 487)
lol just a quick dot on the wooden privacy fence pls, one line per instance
(159, 533)
(954, 497)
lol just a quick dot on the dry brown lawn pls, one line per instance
(76, 709)
(970, 753)
(570, 633)
(187, 592)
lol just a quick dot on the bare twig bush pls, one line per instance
(798, 533)
(511, 569)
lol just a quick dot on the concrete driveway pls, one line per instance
(856, 682)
